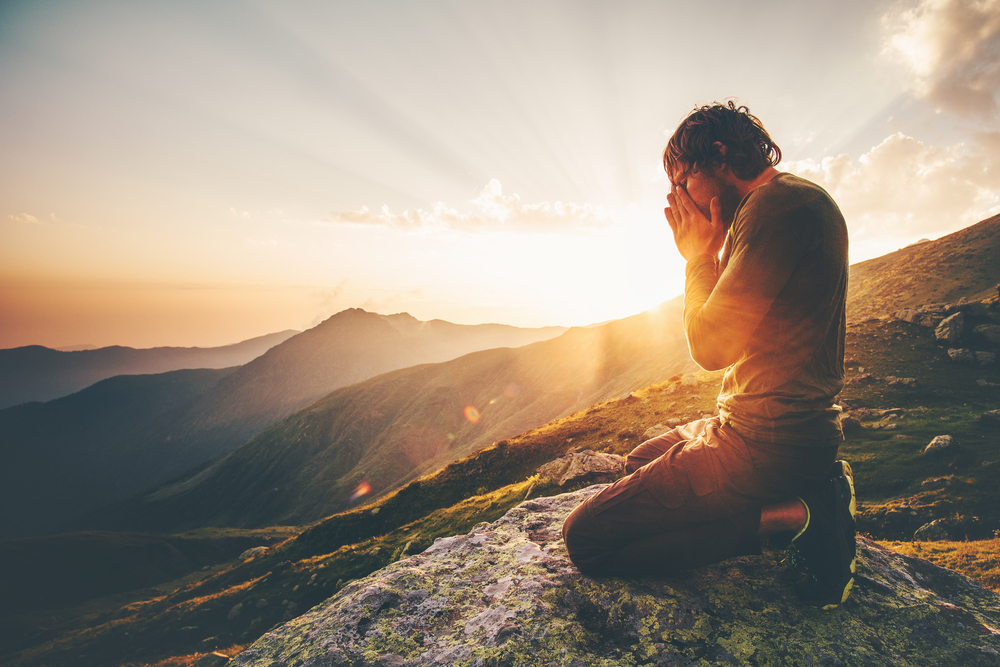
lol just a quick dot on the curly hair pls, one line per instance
(749, 148)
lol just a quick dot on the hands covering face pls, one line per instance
(694, 233)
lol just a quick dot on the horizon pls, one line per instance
(195, 176)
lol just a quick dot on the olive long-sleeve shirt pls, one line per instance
(771, 310)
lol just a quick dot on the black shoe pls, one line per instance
(824, 551)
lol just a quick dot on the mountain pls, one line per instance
(72, 455)
(963, 264)
(76, 453)
(36, 373)
(371, 437)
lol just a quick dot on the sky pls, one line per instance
(195, 174)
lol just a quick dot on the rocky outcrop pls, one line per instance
(585, 466)
(506, 594)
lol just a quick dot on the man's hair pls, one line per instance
(749, 148)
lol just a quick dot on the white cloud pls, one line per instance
(953, 48)
(25, 218)
(492, 210)
(903, 189)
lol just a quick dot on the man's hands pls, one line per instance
(694, 234)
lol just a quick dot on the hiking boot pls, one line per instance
(824, 550)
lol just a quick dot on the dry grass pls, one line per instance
(978, 559)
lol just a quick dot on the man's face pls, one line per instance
(702, 185)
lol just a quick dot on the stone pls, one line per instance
(862, 379)
(950, 329)
(932, 531)
(906, 382)
(253, 553)
(583, 466)
(990, 332)
(990, 418)
(850, 423)
(506, 594)
(934, 483)
(940, 443)
(982, 382)
(962, 356)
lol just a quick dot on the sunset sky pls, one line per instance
(199, 173)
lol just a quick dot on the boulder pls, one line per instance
(950, 329)
(505, 594)
(962, 355)
(583, 466)
(658, 430)
(940, 443)
(930, 532)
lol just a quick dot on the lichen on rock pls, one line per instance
(506, 594)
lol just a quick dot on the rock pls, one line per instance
(940, 443)
(506, 594)
(986, 383)
(253, 553)
(990, 418)
(235, 611)
(985, 358)
(934, 483)
(950, 329)
(862, 379)
(932, 531)
(583, 466)
(850, 423)
(892, 412)
(990, 332)
(865, 414)
(690, 381)
(962, 355)
(907, 382)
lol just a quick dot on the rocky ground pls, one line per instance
(506, 594)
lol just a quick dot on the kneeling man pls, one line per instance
(770, 310)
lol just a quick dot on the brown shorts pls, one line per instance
(693, 497)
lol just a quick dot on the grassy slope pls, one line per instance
(963, 264)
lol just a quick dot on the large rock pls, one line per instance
(990, 332)
(585, 466)
(951, 329)
(505, 594)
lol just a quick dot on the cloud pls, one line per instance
(26, 219)
(953, 48)
(905, 189)
(492, 210)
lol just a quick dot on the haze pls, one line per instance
(191, 173)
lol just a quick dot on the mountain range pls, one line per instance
(371, 437)
(126, 434)
(36, 373)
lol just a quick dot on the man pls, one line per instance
(771, 311)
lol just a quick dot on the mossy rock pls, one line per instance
(506, 594)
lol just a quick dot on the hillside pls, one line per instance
(36, 373)
(963, 264)
(381, 433)
(73, 455)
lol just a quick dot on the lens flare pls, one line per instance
(471, 413)
(364, 488)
